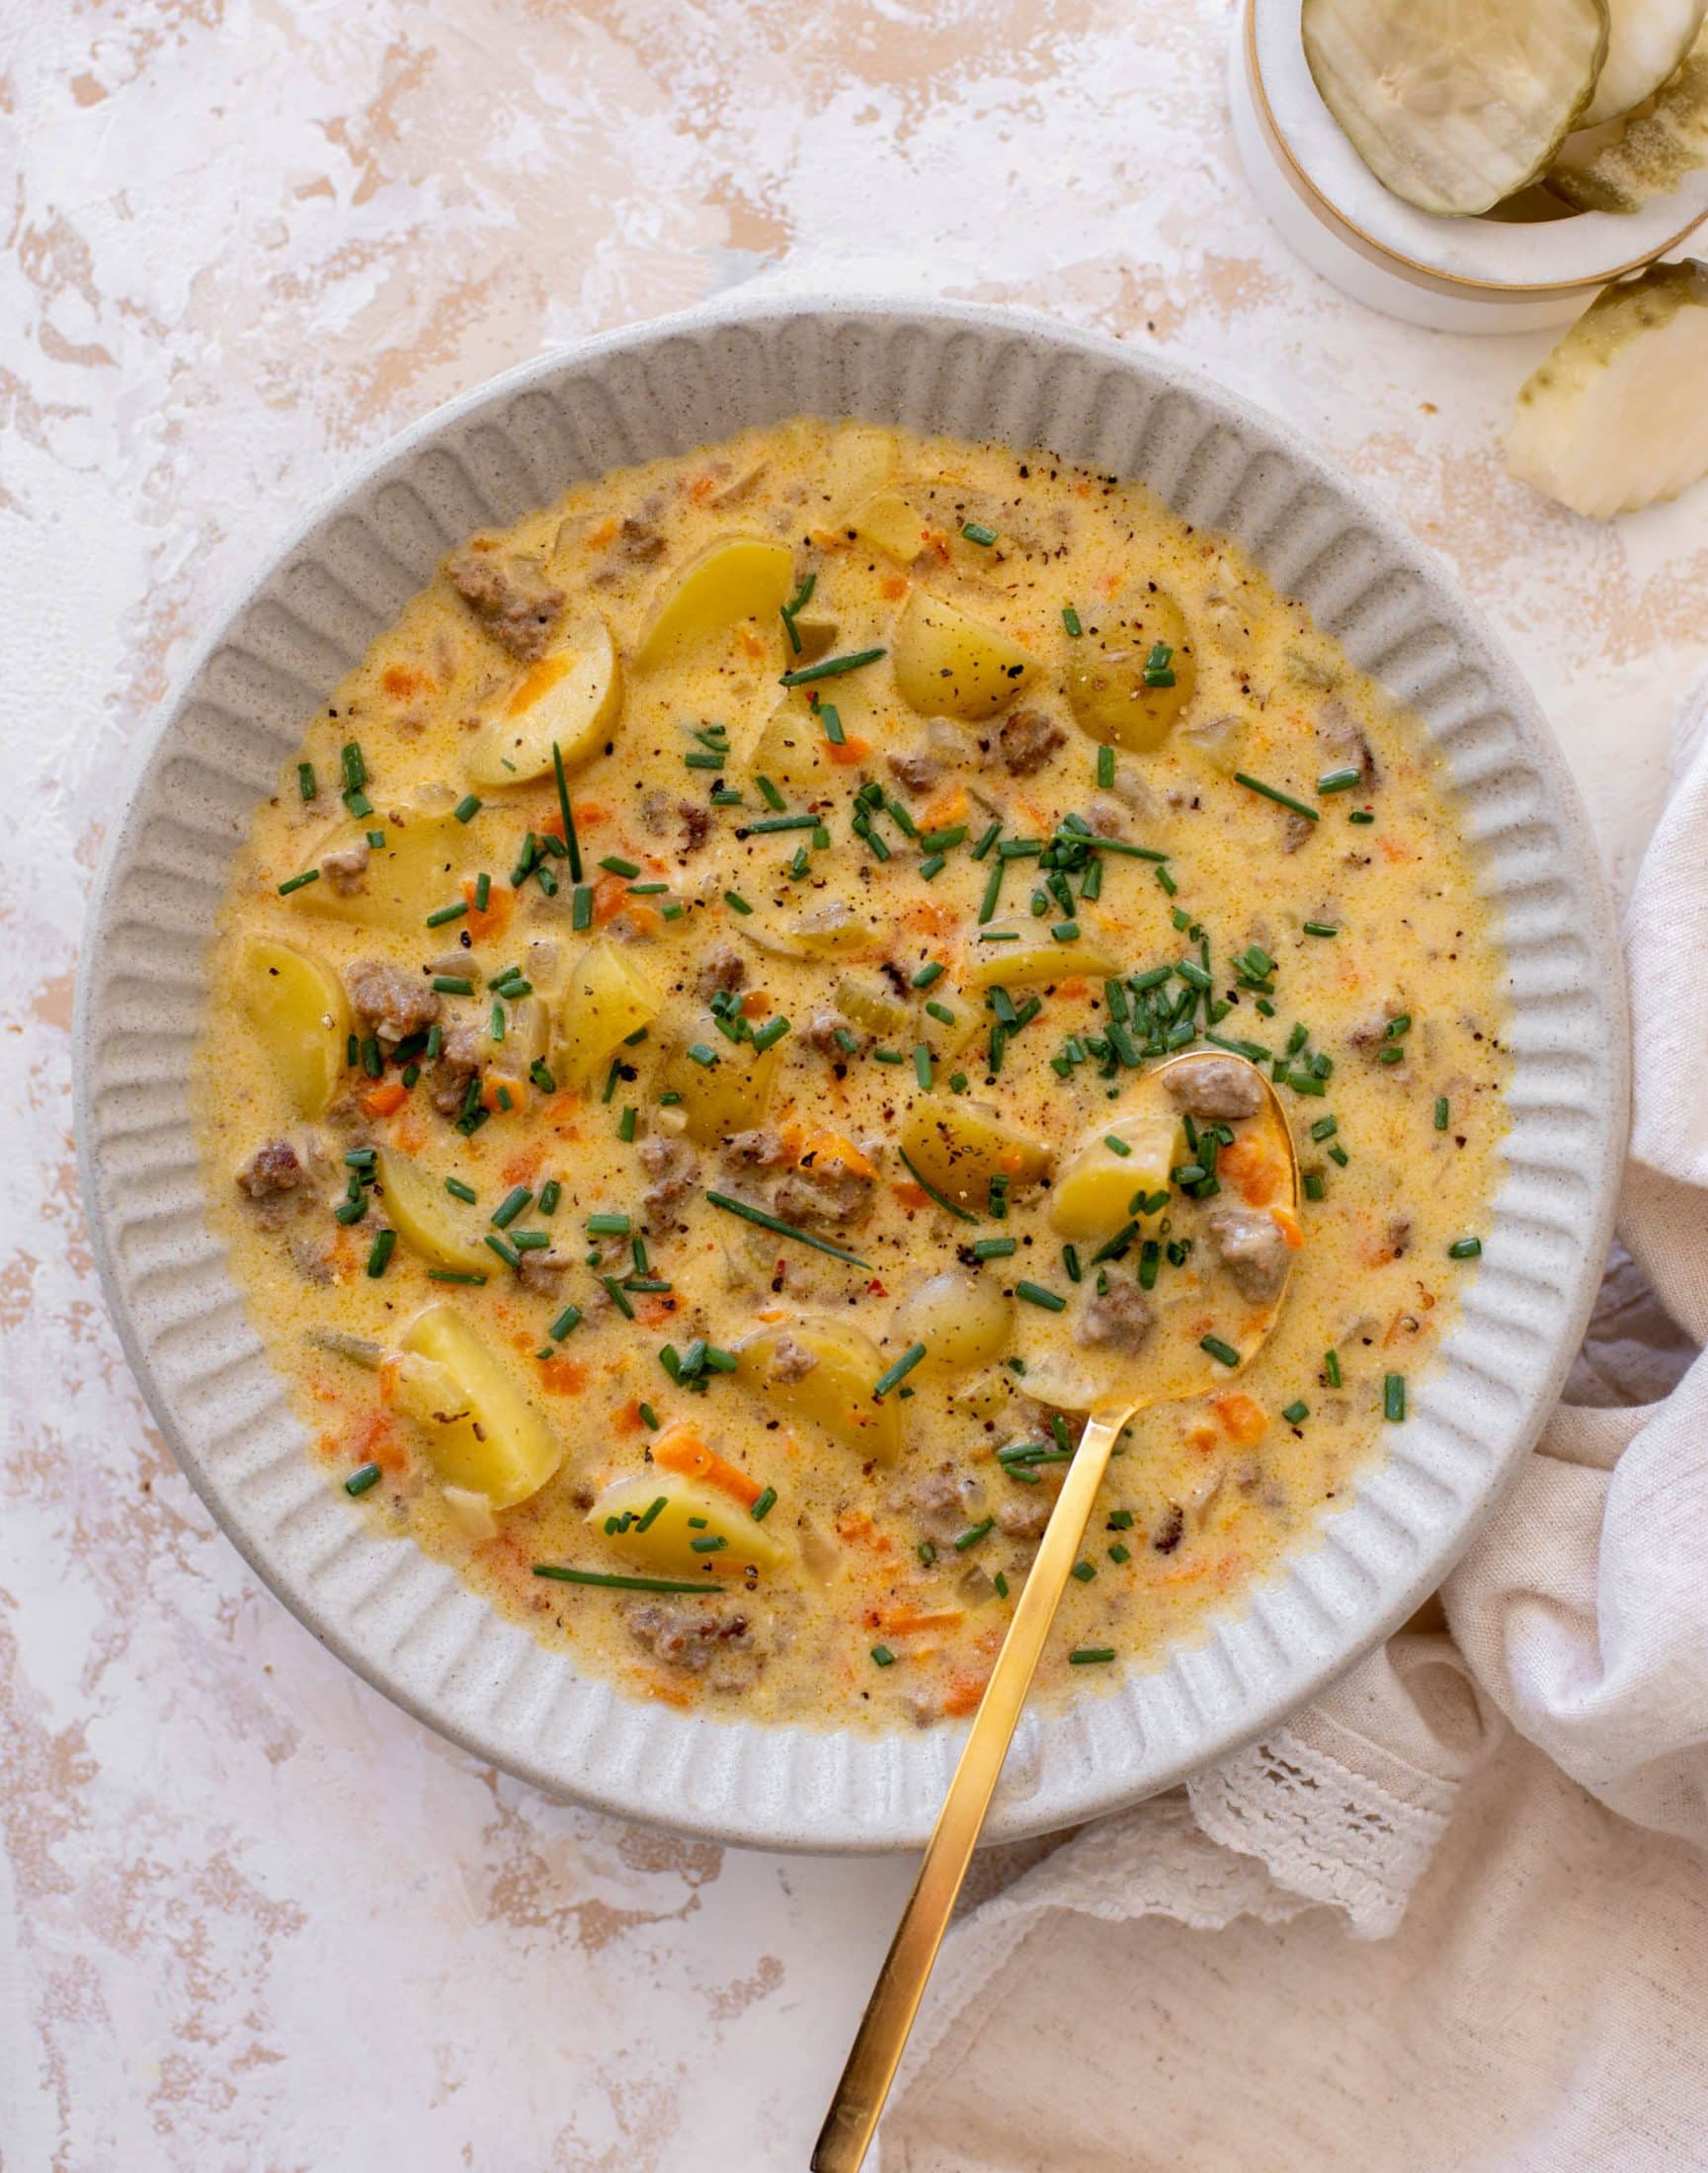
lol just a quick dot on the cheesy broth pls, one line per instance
(717, 1192)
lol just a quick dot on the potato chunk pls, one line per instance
(790, 747)
(1094, 1194)
(835, 1390)
(963, 1321)
(947, 665)
(570, 699)
(481, 1432)
(426, 1217)
(418, 869)
(606, 998)
(742, 576)
(1115, 692)
(1024, 965)
(301, 1015)
(889, 524)
(957, 1146)
(730, 1095)
(666, 1548)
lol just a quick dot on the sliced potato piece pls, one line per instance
(835, 1391)
(1455, 104)
(667, 1548)
(1024, 965)
(888, 524)
(299, 1011)
(607, 995)
(426, 1217)
(958, 1146)
(1646, 40)
(569, 699)
(947, 665)
(790, 747)
(868, 1004)
(962, 1320)
(730, 1095)
(1650, 156)
(1093, 1197)
(863, 457)
(1131, 673)
(482, 1433)
(418, 869)
(741, 577)
(829, 931)
(1615, 418)
(817, 638)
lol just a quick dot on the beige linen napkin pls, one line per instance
(1455, 1914)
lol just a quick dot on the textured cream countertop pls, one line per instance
(250, 1916)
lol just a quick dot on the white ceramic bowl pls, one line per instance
(404, 1622)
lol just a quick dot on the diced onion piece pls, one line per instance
(1455, 104)
(1616, 418)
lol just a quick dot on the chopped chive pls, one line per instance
(882, 1654)
(762, 1507)
(763, 1221)
(453, 983)
(506, 1252)
(713, 1544)
(1090, 1655)
(1332, 1368)
(994, 1249)
(1120, 1552)
(541, 1076)
(832, 666)
(1084, 1571)
(703, 1056)
(568, 1318)
(897, 1373)
(1394, 1397)
(1035, 1294)
(467, 808)
(384, 1242)
(974, 1533)
(550, 1192)
(1444, 1111)
(1338, 780)
(926, 1186)
(600, 1226)
(923, 1066)
(1465, 1248)
(571, 844)
(831, 718)
(361, 1478)
(1320, 928)
(770, 1035)
(511, 1205)
(1106, 768)
(941, 1013)
(1296, 1414)
(616, 866)
(1223, 1354)
(928, 973)
(306, 784)
(1273, 792)
(461, 1192)
(297, 882)
(1071, 621)
(975, 532)
(621, 1583)
(1315, 1189)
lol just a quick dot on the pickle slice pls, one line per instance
(1650, 155)
(1615, 419)
(1455, 104)
(1646, 40)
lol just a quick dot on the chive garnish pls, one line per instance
(763, 1221)
(1394, 1397)
(1273, 792)
(1035, 1294)
(380, 1253)
(1465, 1248)
(832, 666)
(974, 1533)
(612, 1580)
(1296, 1414)
(975, 532)
(1071, 621)
(1223, 1354)
(297, 882)
(1090, 1655)
(1332, 1368)
(1338, 780)
(1084, 1571)
(467, 808)
(882, 1654)
(926, 1186)
(1444, 1110)
(1320, 928)
(453, 983)
(568, 1318)
(762, 1507)
(454, 1275)
(506, 1252)
(360, 1479)
(994, 1249)
(601, 1226)
(894, 1375)
(510, 1207)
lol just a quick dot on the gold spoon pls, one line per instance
(889, 2016)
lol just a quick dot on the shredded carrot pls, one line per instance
(928, 918)
(1075, 986)
(893, 586)
(657, 1311)
(408, 1135)
(523, 1167)
(946, 810)
(751, 639)
(1250, 1166)
(1244, 1420)
(668, 1691)
(1201, 1435)
(680, 1449)
(850, 753)
(374, 1442)
(911, 1195)
(854, 1525)
(539, 679)
(387, 1380)
(643, 917)
(626, 1417)
(822, 1146)
(1393, 849)
(610, 895)
(563, 1376)
(401, 681)
(754, 1004)
(963, 1694)
(606, 533)
(496, 1081)
(902, 1622)
(703, 486)
(500, 904)
(1287, 1223)
(386, 1099)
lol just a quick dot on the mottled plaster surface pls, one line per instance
(250, 1916)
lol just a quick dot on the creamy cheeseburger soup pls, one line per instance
(683, 1084)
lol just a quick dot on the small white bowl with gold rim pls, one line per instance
(1531, 263)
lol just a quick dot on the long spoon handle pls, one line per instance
(883, 2032)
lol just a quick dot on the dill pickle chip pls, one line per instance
(1615, 419)
(1647, 40)
(1455, 104)
(1650, 155)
